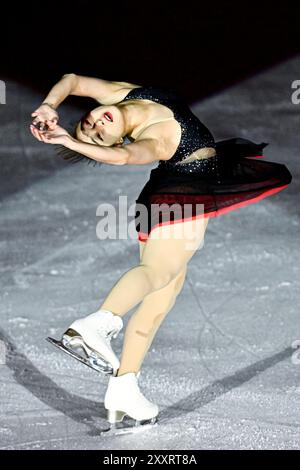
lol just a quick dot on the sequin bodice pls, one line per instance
(194, 134)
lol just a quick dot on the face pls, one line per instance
(101, 126)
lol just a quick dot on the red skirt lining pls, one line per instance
(143, 236)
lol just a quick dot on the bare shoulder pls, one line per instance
(167, 134)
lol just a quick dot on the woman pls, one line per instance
(195, 172)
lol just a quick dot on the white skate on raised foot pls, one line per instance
(88, 341)
(123, 397)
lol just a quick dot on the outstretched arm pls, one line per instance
(142, 152)
(105, 91)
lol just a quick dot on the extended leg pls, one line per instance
(163, 265)
(145, 322)
(165, 255)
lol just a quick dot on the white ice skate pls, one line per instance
(88, 340)
(123, 397)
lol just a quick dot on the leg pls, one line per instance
(167, 250)
(145, 322)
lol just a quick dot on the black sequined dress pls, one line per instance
(207, 187)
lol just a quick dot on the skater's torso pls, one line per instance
(191, 141)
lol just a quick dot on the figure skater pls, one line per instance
(211, 177)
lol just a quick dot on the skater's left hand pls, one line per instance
(56, 136)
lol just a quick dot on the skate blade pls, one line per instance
(117, 429)
(92, 362)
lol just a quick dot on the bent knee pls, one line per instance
(159, 277)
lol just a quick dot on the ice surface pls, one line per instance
(220, 367)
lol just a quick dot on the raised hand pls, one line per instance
(57, 136)
(45, 117)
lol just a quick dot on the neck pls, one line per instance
(134, 114)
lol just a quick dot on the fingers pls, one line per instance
(36, 133)
(42, 136)
(45, 138)
(52, 123)
(36, 119)
(43, 123)
(39, 123)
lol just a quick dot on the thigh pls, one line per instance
(178, 280)
(172, 245)
(173, 287)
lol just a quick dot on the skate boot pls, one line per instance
(123, 397)
(91, 336)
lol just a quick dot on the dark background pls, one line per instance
(196, 47)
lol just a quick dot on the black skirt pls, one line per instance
(235, 177)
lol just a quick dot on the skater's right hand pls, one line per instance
(45, 116)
